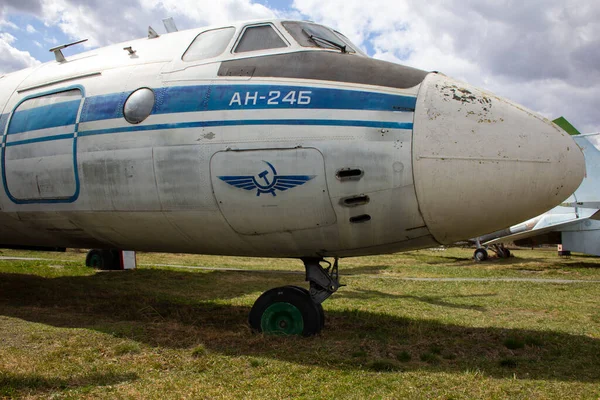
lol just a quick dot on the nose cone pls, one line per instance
(482, 163)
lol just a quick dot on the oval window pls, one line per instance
(138, 105)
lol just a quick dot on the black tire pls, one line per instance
(480, 255)
(295, 313)
(95, 259)
(319, 306)
(103, 259)
(507, 253)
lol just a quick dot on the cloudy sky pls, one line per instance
(544, 54)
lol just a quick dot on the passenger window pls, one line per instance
(259, 38)
(209, 44)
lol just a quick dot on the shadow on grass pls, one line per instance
(175, 309)
(349, 270)
(515, 260)
(12, 384)
(435, 259)
(434, 300)
(578, 264)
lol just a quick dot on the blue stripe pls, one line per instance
(196, 98)
(41, 139)
(108, 106)
(203, 124)
(252, 97)
(50, 116)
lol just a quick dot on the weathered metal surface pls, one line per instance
(482, 162)
(152, 186)
(286, 193)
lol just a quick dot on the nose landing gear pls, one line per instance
(292, 310)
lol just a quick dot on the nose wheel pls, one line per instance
(292, 310)
(286, 310)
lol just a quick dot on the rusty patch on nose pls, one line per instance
(465, 96)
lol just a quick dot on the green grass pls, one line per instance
(451, 262)
(158, 332)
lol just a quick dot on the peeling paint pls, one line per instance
(464, 96)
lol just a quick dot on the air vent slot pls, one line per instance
(359, 219)
(355, 201)
(349, 174)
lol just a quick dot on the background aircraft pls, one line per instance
(575, 223)
(271, 139)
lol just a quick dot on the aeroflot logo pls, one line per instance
(268, 181)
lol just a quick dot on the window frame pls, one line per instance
(243, 31)
(209, 58)
(347, 40)
(296, 29)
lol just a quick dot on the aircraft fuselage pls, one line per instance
(291, 151)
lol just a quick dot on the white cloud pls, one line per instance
(97, 21)
(544, 54)
(12, 59)
(30, 29)
(28, 6)
(7, 37)
(6, 24)
(210, 12)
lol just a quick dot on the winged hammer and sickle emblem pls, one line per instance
(268, 181)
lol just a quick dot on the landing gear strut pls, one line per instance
(292, 310)
(481, 253)
(501, 251)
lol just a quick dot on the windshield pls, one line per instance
(312, 35)
(352, 45)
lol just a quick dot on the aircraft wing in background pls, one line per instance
(532, 233)
(550, 223)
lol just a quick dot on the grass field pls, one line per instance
(161, 332)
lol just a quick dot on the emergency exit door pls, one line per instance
(40, 148)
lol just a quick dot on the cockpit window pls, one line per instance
(209, 44)
(312, 35)
(259, 38)
(348, 42)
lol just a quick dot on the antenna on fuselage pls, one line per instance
(152, 33)
(58, 53)
(169, 24)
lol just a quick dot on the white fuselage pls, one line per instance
(240, 164)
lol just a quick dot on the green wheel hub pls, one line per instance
(283, 319)
(96, 260)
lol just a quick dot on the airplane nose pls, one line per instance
(482, 163)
